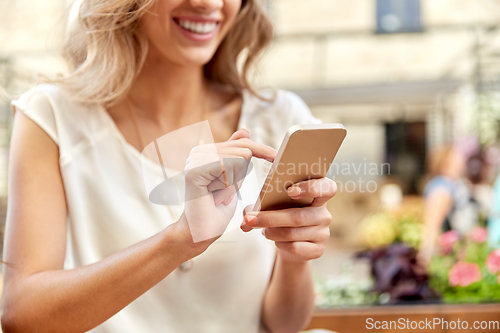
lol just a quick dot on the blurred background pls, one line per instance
(405, 77)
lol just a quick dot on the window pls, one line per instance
(406, 152)
(397, 16)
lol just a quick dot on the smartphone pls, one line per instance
(307, 152)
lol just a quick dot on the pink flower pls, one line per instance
(447, 239)
(493, 262)
(479, 235)
(463, 274)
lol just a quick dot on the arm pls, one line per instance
(437, 207)
(36, 286)
(289, 300)
(300, 234)
(38, 294)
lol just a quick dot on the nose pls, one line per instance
(207, 5)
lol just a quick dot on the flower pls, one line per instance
(493, 262)
(463, 274)
(447, 239)
(378, 230)
(479, 235)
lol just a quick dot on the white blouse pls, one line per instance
(109, 210)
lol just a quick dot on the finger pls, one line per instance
(301, 234)
(216, 185)
(228, 170)
(258, 150)
(321, 190)
(247, 209)
(224, 173)
(303, 250)
(247, 222)
(236, 170)
(215, 171)
(223, 195)
(240, 134)
(292, 217)
(235, 152)
(228, 200)
(203, 179)
(244, 225)
(234, 162)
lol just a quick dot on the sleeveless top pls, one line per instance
(444, 183)
(109, 210)
(463, 216)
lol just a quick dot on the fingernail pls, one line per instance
(294, 191)
(246, 228)
(250, 220)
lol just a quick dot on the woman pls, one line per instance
(447, 199)
(86, 249)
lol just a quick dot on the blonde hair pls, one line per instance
(105, 49)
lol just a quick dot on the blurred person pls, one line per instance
(494, 217)
(447, 199)
(479, 176)
(494, 214)
(84, 247)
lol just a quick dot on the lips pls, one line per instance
(197, 28)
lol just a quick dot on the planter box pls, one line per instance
(355, 320)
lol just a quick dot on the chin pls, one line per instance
(197, 57)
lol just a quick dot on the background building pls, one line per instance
(403, 76)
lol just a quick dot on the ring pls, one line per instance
(223, 172)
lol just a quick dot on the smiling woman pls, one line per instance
(91, 251)
(108, 43)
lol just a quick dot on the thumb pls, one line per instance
(240, 134)
(246, 210)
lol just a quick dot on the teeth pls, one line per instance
(198, 27)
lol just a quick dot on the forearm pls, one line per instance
(289, 300)
(79, 299)
(433, 226)
(430, 233)
(437, 207)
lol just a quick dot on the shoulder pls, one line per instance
(270, 116)
(282, 104)
(44, 100)
(62, 118)
(439, 183)
(42, 93)
(52, 94)
(39, 104)
(35, 98)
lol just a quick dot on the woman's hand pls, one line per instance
(213, 174)
(300, 234)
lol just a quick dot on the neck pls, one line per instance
(163, 88)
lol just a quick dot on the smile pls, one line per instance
(196, 26)
(201, 28)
